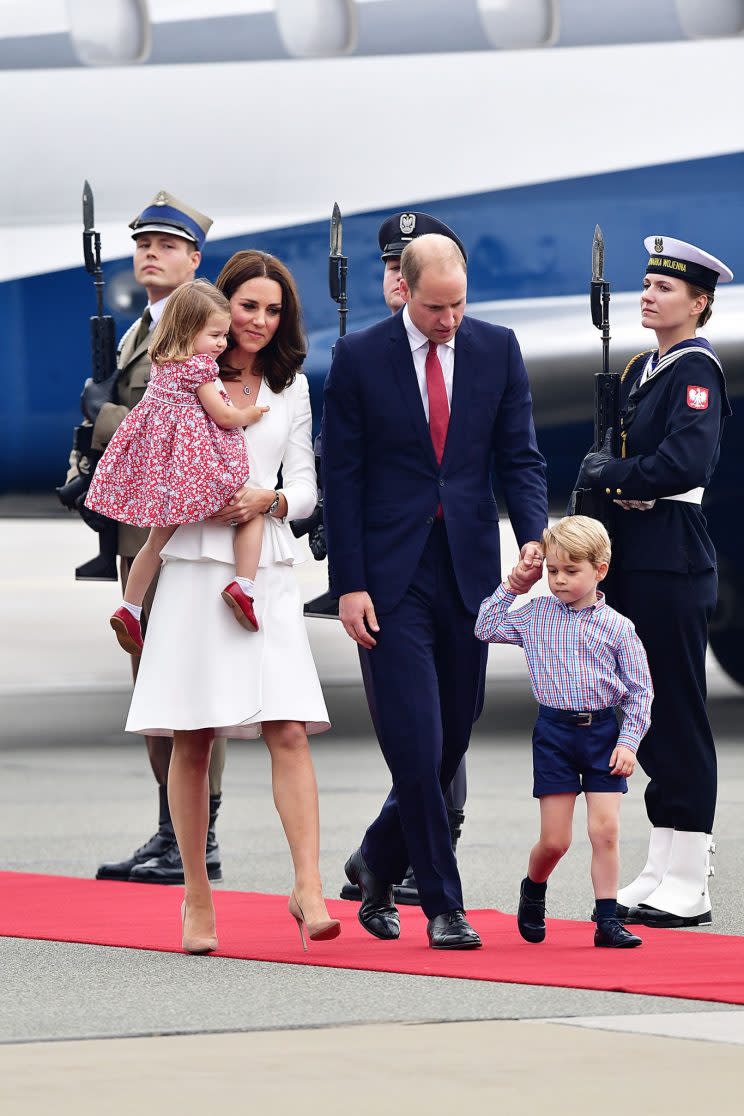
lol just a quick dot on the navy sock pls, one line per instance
(534, 890)
(606, 908)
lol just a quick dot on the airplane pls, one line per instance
(520, 123)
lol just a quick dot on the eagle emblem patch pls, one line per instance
(407, 223)
(697, 397)
(659, 244)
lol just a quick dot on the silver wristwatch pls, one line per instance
(273, 505)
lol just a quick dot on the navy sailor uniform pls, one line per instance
(663, 575)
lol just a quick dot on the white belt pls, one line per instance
(694, 496)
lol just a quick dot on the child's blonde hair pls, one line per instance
(581, 538)
(186, 313)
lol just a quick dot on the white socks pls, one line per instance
(245, 583)
(136, 610)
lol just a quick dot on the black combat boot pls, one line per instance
(162, 841)
(406, 892)
(168, 868)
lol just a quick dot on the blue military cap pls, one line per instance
(168, 214)
(400, 229)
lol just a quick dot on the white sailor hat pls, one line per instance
(685, 261)
(167, 214)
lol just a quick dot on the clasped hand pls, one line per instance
(528, 569)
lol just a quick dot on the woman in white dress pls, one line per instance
(201, 673)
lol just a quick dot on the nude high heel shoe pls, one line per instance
(316, 931)
(195, 945)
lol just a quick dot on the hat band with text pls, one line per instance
(693, 273)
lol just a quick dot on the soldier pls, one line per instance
(673, 407)
(168, 237)
(394, 233)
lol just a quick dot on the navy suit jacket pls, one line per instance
(381, 480)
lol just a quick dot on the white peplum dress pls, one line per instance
(199, 667)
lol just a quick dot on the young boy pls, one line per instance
(584, 659)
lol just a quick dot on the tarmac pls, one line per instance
(92, 1028)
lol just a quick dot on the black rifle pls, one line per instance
(98, 389)
(606, 387)
(326, 605)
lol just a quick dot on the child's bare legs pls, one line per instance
(603, 822)
(248, 541)
(188, 798)
(556, 823)
(239, 593)
(146, 565)
(126, 620)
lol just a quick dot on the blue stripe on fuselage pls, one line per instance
(530, 241)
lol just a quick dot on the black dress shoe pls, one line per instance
(452, 930)
(622, 914)
(531, 917)
(651, 916)
(351, 892)
(612, 934)
(377, 913)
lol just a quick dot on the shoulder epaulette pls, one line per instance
(632, 361)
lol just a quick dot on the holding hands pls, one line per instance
(528, 569)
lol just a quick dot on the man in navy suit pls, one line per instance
(418, 411)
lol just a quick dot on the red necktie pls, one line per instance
(438, 405)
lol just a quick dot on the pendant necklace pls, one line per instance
(247, 389)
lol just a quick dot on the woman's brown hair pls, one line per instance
(186, 313)
(705, 314)
(281, 359)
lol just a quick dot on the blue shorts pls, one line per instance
(569, 755)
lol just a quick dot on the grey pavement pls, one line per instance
(75, 790)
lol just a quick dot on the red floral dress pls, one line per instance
(168, 462)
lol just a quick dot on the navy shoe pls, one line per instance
(531, 917)
(611, 934)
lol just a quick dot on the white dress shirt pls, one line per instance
(156, 309)
(419, 348)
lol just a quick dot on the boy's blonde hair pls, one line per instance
(581, 538)
(186, 313)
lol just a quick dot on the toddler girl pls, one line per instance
(179, 455)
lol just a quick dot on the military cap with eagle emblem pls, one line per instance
(168, 214)
(401, 228)
(685, 261)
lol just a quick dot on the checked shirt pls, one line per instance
(582, 660)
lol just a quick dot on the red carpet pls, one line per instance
(696, 966)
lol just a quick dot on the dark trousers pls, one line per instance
(457, 791)
(427, 673)
(671, 612)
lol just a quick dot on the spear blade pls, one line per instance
(598, 256)
(336, 231)
(88, 211)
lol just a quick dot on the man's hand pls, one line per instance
(353, 610)
(622, 761)
(245, 505)
(528, 569)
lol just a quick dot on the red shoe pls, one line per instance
(241, 604)
(128, 631)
